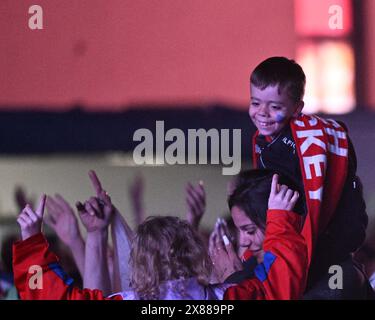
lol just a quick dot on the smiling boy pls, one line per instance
(271, 109)
(276, 88)
(318, 156)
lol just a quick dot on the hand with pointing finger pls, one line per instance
(30, 221)
(96, 213)
(281, 197)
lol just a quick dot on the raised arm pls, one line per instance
(285, 262)
(196, 203)
(136, 197)
(30, 221)
(37, 273)
(62, 219)
(96, 214)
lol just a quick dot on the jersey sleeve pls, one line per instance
(283, 272)
(39, 276)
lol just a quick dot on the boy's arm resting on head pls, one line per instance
(38, 275)
(282, 275)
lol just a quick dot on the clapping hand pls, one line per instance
(62, 219)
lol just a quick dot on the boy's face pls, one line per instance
(271, 111)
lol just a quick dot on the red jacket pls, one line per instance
(282, 274)
(275, 277)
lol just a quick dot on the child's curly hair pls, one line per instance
(166, 248)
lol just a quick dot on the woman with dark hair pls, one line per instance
(261, 204)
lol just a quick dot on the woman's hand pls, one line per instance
(281, 197)
(223, 255)
(30, 221)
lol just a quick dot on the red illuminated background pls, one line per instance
(101, 69)
(107, 55)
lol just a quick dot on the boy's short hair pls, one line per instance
(281, 71)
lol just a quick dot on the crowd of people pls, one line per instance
(296, 214)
